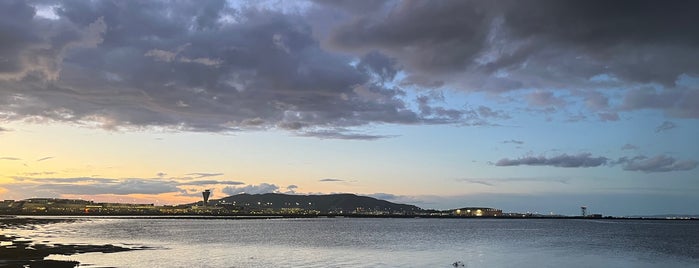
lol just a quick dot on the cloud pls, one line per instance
(496, 181)
(10, 158)
(545, 99)
(342, 135)
(521, 39)
(67, 180)
(2, 129)
(165, 65)
(334, 68)
(32, 174)
(667, 125)
(608, 116)
(199, 175)
(564, 160)
(44, 158)
(548, 46)
(514, 142)
(208, 182)
(93, 186)
(383, 196)
(330, 180)
(660, 163)
(677, 102)
(291, 189)
(478, 181)
(629, 146)
(261, 188)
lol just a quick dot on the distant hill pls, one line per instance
(332, 203)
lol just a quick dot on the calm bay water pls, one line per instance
(348, 242)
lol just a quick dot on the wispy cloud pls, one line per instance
(94, 186)
(10, 158)
(199, 175)
(44, 158)
(496, 181)
(629, 146)
(477, 181)
(330, 180)
(209, 182)
(665, 126)
(341, 135)
(660, 163)
(32, 174)
(564, 160)
(513, 142)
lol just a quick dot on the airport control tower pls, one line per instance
(206, 194)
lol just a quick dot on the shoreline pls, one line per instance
(74, 217)
(17, 251)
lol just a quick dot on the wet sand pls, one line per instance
(24, 252)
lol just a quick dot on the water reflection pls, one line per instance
(388, 242)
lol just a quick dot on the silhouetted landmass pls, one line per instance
(324, 204)
(277, 205)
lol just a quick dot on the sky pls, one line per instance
(528, 106)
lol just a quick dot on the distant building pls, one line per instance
(206, 194)
(477, 212)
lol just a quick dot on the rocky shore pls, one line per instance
(24, 252)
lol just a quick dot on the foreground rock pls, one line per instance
(23, 252)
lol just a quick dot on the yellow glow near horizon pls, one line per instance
(250, 158)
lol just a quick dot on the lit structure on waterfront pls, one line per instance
(477, 212)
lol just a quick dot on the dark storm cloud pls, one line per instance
(564, 160)
(210, 66)
(196, 66)
(679, 102)
(667, 125)
(660, 163)
(354, 5)
(543, 44)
